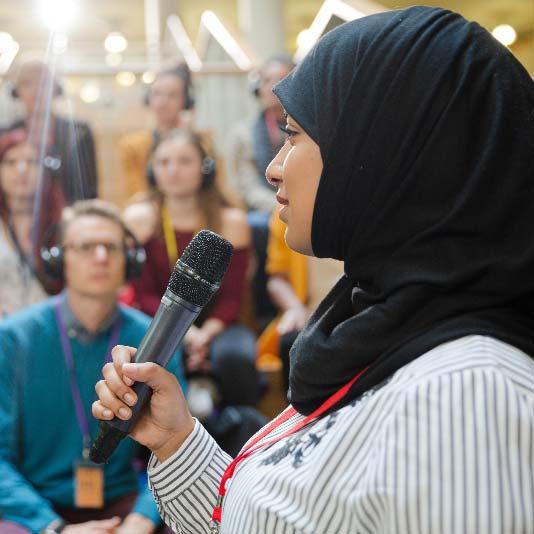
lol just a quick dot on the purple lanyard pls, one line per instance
(69, 360)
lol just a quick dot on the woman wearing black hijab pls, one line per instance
(409, 156)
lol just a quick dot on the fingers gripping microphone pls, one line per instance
(195, 279)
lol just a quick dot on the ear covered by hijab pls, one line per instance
(426, 129)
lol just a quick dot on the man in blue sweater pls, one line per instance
(51, 355)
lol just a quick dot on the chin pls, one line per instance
(298, 243)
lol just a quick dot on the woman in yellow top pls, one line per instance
(296, 285)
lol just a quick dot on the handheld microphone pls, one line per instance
(195, 279)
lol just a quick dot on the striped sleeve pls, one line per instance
(455, 456)
(185, 485)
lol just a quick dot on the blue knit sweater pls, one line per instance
(40, 437)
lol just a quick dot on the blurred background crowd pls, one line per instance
(111, 100)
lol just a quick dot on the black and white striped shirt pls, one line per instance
(446, 446)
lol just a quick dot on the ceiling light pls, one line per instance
(148, 77)
(58, 14)
(8, 50)
(115, 43)
(125, 78)
(305, 39)
(90, 92)
(505, 33)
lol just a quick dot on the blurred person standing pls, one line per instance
(253, 144)
(69, 148)
(168, 97)
(23, 221)
(46, 484)
(188, 198)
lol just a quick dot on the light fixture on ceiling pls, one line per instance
(226, 40)
(148, 77)
(125, 78)
(505, 33)
(115, 43)
(90, 92)
(57, 15)
(305, 39)
(8, 50)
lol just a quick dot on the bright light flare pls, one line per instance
(8, 50)
(115, 43)
(125, 78)
(58, 15)
(505, 33)
(90, 92)
(148, 77)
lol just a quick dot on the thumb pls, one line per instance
(152, 374)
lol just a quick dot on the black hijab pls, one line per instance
(426, 129)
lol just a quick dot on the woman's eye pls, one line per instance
(289, 133)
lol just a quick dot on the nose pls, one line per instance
(274, 170)
(101, 252)
(22, 166)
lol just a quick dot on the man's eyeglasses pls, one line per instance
(12, 162)
(89, 248)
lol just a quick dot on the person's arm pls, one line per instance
(187, 463)
(19, 501)
(294, 313)
(455, 456)
(185, 485)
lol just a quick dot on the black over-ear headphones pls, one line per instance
(181, 72)
(209, 171)
(52, 256)
(57, 90)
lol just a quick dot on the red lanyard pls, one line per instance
(251, 447)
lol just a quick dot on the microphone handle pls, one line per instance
(166, 331)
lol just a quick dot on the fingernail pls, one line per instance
(129, 398)
(107, 413)
(124, 412)
(127, 381)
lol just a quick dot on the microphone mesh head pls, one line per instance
(208, 255)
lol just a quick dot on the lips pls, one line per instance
(282, 200)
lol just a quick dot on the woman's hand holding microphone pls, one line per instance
(166, 421)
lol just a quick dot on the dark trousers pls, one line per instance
(264, 309)
(233, 361)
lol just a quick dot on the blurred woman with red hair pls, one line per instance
(29, 205)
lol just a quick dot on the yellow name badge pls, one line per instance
(88, 485)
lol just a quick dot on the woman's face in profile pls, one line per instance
(19, 171)
(178, 168)
(296, 171)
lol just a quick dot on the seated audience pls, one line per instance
(29, 204)
(168, 97)
(69, 143)
(296, 285)
(253, 144)
(45, 423)
(187, 198)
